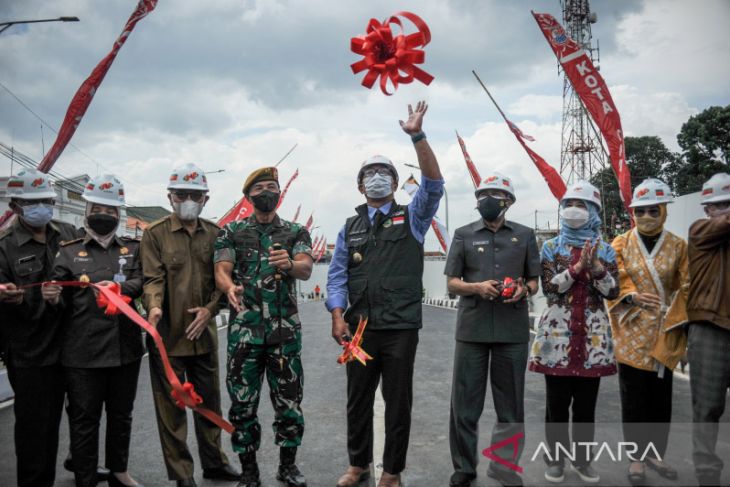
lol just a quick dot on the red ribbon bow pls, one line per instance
(352, 350)
(509, 286)
(110, 308)
(387, 56)
(186, 397)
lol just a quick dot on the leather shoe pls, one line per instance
(389, 480)
(460, 479)
(505, 477)
(353, 476)
(291, 476)
(102, 474)
(224, 472)
(189, 482)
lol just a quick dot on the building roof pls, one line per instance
(147, 214)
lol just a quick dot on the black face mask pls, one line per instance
(491, 208)
(102, 224)
(265, 201)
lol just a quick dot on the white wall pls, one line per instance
(682, 213)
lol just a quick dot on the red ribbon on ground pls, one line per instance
(352, 350)
(392, 57)
(115, 303)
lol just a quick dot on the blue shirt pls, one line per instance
(421, 211)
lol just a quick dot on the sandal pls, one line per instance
(636, 478)
(662, 469)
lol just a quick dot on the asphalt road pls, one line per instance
(323, 456)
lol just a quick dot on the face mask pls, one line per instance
(574, 217)
(648, 225)
(37, 215)
(265, 201)
(492, 208)
(102, 224)
(188, 210)
(378, 186)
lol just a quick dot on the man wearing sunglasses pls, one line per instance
(181, 301)
(29, 335)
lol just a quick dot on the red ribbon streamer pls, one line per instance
(352, 350)
(184, 394)
(386, 55)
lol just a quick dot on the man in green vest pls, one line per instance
(376, 273)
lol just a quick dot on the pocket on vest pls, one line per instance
(402, 299)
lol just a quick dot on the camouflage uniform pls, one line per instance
(256, 341)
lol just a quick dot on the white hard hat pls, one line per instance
(716, 189)
(377, 160)
(651, 192)
(583, 190)
(189, 177)
(104, 190)
(30, 184)
(496, 181)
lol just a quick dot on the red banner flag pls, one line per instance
(322, 251)
(594, 94)
(441, 234)
(310, 222)
(551, 176)
(296, 215)
(286, 188)
(84, 95)
(475, 178)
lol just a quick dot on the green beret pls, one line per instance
(263, 174)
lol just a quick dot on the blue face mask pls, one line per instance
(37, 215)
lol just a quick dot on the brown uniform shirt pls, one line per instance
(178, 272)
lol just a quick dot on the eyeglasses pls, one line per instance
(370, 172)
(47, 201)
(652, 212)
(196, 196)
(720, 205)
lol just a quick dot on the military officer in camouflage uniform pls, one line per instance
(257, 262)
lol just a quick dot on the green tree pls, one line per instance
(646, 158)
(705, 143)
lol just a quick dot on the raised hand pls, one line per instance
(415, 118)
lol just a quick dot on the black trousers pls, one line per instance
(113, 388)
(564, 395)
(38, 408)
(473, 362)
(646, 408)
(393, 352)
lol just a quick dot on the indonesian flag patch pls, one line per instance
(398, 220)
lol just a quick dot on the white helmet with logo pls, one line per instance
(716, 189)
(30, 184)
(651, 192)
(377, 160)
(583, 190)
(104, 190)
(189, 177)
(496, 180)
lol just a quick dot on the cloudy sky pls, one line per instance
(233, 84)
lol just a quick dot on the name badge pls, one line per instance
(480, 242)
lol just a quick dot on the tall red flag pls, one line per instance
(322, 251)
(310, 222)
(551, 176)
(594, 94)
(286, 188)
(85, 93)
(475, 178)
(296, 215)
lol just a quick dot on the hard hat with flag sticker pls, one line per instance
(377, 160)
(651, 192)
(189, 177)
(716, 189)
(496, 180)
(104, 190)
(30, 184)
(583, 190)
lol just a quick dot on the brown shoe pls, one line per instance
(354, 476)
(389, 480)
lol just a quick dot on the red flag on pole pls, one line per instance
(551, 176)
(286, 188)
(594, 94)
(310, 222)
(475, 178)
(296, 215)
(322, 251)
(441, 234)
(242, 209)
(84, 95)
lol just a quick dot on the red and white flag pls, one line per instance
(296, 215)
(310, 222)
(82, 99)
(475, 178)
(410, 187)
(322, 251)
(286, 188)
(593, 92)
(516, 130)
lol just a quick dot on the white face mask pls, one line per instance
(378, 186)
(188, 210)
(574, 217)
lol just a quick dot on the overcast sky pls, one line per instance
(233, 84)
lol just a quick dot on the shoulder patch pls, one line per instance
(157, 222)
(69, 242)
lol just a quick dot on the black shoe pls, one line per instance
(708, 480)
(505, 477)
(190, 482)
(459, 479)
(102, 474)
(250, 474)
(224, 472)
(291, 476)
